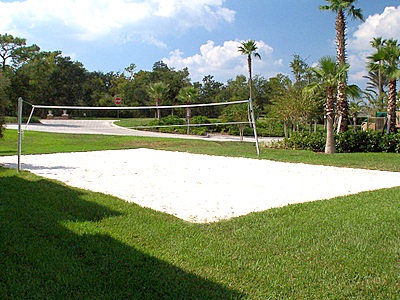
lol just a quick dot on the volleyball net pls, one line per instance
(250, 120)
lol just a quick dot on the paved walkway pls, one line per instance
(108, 127)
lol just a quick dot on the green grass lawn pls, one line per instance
(59, 242)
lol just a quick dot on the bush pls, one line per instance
(390, 142)
(270, 128)
(199, 130)
(265, 128)
(350, 141)
(169, 120)
(34, 119)
(346, 142)
(2, 122)
(302, 141)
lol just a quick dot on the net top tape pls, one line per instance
(135, 107)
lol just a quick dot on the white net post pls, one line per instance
(253, 121)
(19, 132)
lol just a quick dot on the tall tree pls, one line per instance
(131, 71)
(387, 60)
(156, 92)
(249, 49)
(328, 74)
(341, 8)
(33, 79)
(209, 89)
(187, 95)
(4, 83)
(299, 68)
(261, 90)
(377, 81)
(236, 113)
(15, 50)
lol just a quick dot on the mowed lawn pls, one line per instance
(59, 242)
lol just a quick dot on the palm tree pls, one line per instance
(377, 82)
(249, 48)
(387, 60)
(341, 7)
(156, 92)
(187, 95)
(299, 67)
(328, 73)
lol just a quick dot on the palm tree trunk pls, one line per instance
(241, 130)
(188, 117)
(391, 110)
(342, 104)
(158, 110)
(250, 76)
(330, 138)
(355, 122)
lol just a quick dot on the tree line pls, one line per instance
(313, 95)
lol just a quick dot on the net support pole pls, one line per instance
(19, 132)
(30, 117)
(253, 121)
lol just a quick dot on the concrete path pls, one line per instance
(108, 127)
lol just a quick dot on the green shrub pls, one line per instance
(306, 141)
(265, 128)
(390, 142)
(270, 128)
(200, 130)
(350, 141)
(346, 142)
(34, 119)
(169, 120)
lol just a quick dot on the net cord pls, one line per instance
(136, 107)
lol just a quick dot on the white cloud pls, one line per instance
(224, 61)
(87, 19)
(187, 14)
(386, 25)
(94, 19)
(195, 11)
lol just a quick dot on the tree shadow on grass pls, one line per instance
(40, 258)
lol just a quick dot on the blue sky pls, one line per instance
(203, 35)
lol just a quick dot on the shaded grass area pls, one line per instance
(41, 142)
(63, 243)
(58, 242)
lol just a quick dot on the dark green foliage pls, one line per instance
(269, 128)
(314, 141)
(362, 141)
(265, 128)
(169, 120)
(346, 142)
(200, 130)
(1, 125)
(369, 141)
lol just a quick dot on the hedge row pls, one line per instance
(346, 142)
(265, 127)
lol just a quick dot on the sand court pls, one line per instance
(201, 188)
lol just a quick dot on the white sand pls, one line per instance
(201, 188)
